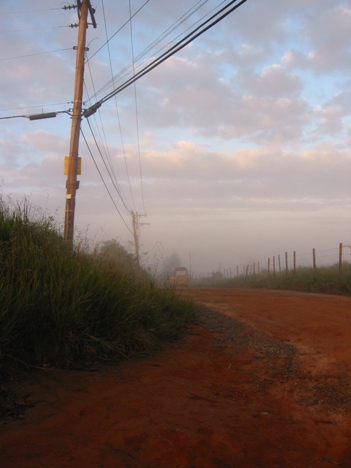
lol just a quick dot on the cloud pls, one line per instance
(295, 59)
(274, 81)
(45, 142)
(256, 106)
(191, 173)
(244, 134)
(329, 51)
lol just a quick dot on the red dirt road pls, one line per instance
(264, 381)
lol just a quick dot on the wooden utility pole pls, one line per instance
(294, 261)
(136, 233)
(314, 260)
(84, 7)
(136, 236)
(340, 259)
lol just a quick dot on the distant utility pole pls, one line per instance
(72, 168)
(136, 233)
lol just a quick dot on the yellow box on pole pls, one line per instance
(66, 165)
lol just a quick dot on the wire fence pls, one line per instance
(291, 261)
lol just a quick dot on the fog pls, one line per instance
(236, 149)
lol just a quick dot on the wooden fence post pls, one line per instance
(294, 261)
(286, 263)
(274, 266)
(280, 270)
(314, 260)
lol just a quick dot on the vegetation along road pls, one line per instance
(261, 380)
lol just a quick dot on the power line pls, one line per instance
(38, 53)
(118, 30)
(173, 27)
(44, 115)
(117, 188)
(12, 117)
(117, 111)
(107, 160)
(29, 11)
(136, 108)
(108, 191)
(166, 33)
(170, 52)
(32, 29)
(104, 140)
(206, 25)
(34, 107)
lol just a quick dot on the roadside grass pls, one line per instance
(66, 307)
(327, 280)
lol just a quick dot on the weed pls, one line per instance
(62, 306)
(327, 280)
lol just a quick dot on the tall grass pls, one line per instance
(61, 306)
(325, 279)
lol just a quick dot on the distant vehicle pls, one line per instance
(180, 277)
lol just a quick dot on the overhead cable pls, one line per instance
(174, 49)
(117, 112)
(38, 53)
(92, 156)
(136, 108)
(29, 11)
(43, 115)
(107, 157)
(117, 188)
(118, 30)
(33, 107)
(166, 33)
(33, 29)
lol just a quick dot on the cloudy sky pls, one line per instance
(237, 148)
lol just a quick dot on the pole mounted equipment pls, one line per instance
(88, 112)
(47, 115)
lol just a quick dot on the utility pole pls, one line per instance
(136, 233)
(84, 7)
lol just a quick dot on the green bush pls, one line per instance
(61, 306)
